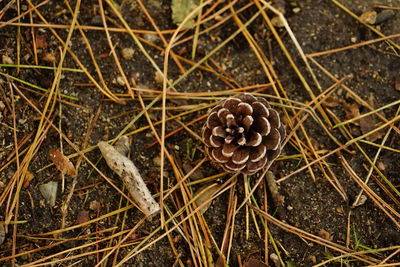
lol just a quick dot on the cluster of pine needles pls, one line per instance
(182, 214)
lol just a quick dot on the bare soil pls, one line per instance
(311, 205)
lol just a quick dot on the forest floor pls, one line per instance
(67, 82)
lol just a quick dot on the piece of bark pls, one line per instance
(130, 176)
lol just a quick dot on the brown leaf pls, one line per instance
(28, 178)
(204, 194)
(331, 102)
(371, 122)
(62, 162)
(368, 124)
(351, 111)
(83, 216)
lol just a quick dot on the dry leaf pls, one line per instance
(204, 194)
(28, 178)
(62, 162)
(352, 111)
(331, 102)
(181, 9)
(370, 123)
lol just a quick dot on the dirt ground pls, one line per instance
(311, 204)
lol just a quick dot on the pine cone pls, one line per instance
(243, 134)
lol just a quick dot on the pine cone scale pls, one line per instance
(243, 134)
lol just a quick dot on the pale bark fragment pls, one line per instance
(130, 175)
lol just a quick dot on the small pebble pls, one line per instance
(120, 81)
(381, 166)
(152, 38)
(158, 77)
(369, 17)
(296, 10)
(353, 39)
(275, 259)
(313, 259)
(127, 53)
(6, 60)
(49, 192)
(94, 205)
(49, 58)
(26, 57)
(384, 15)
(157, 161)
(277, 22)
(96, 21)
(361, 201)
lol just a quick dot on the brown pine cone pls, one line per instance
(243, 134)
